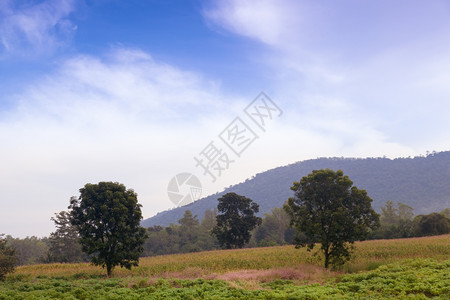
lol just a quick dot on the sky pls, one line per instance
(135, 91)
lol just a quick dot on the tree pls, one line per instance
(188, 232)
(431, 224)
(329, 210)
(189, 236)
(158, 241)
(64, 242)
(405, 212)
(209, 219)
(395, 222)
(446, 213)
(235, 221)
(273, 228)
(107, 217)
(206, 241)
(29, 250)
(389, 214)
(7, 258)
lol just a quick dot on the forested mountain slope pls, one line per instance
(421, 182)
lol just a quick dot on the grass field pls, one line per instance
(414, 268)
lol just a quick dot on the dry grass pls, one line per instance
(261, 264)
(304, 274)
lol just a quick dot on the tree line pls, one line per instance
(102, 225)
(191, 235)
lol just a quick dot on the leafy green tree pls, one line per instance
(273, 228)
(189, 222)
(431, 224)
(206, 241)
(64, 242)
(329, 210)
(209, 219)
(7, 258)
(158, 241)
(395, 222)
(107, 217)
(189, 236)
(446, 213)
(405, 226)
(29, 250)
(188, 232)
(235, 221)
(405, 212)
(389, 214)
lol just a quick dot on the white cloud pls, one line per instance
(123, 117)
(387, 63)
(127, 118)
(264, 20)
(34, 29)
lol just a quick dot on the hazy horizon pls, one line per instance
(133, 91)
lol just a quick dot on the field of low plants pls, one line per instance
(415, 268)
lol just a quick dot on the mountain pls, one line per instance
(422, 182)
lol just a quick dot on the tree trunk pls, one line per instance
(327, 255)
(109, 270)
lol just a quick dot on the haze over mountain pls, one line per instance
(422, 182)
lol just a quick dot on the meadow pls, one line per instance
(416, 268)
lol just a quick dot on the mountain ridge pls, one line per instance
(422, 182)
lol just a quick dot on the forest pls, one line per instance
(191, 235)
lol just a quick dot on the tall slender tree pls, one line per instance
(64, 241)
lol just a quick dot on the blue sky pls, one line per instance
(131, 91)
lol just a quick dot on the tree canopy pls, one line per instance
(235, 220)
(329, 210)
(29, 250)
(431, 224)
(107, 217)
(64, 242)
(395, 222)
(7, 258)
(274, 228)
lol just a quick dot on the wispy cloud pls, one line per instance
(125, 78)
(125, 117)
(121, 117)
(347, 88)
(264, 21)
(388, 67)
(28, 28)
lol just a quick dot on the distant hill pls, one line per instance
(421, 182)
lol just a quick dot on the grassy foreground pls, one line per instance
(413, 268)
